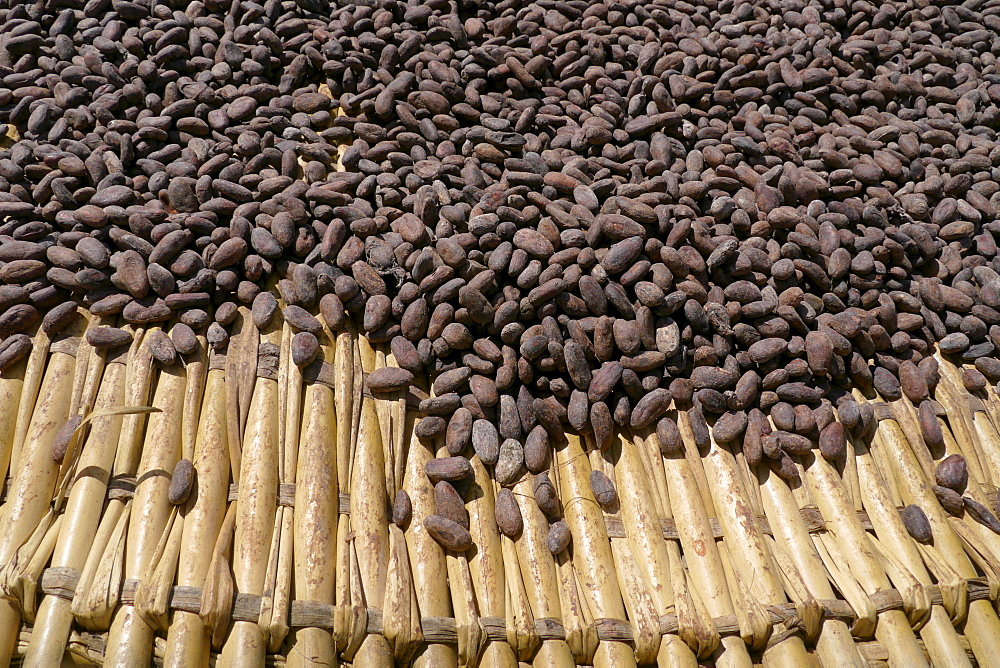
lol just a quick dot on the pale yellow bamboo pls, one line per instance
(130, 636)
(400, 613)
(83, 513)
(316, 510)
(188, 641)
(343, 394)
(642, 528)
(952, 395)
(591, 552)
(278, 582)
(701, 555)
(368, 514)
(893, 629)
(11, 384)
(426, 556)
(982, 626)
(486, 564)
(940, 638)
(34, 371)
(246, 644)
(530, 569)
(33, 480)
(743, 540)
(834, 645)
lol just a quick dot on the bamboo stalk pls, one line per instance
(34, 478)
(641, 529)
(591, 551)
(701, 553)
(940, 637)
(11, 384)
(99, 586)
(531, 580)
(29, 396)
(368, 515)
(315, 525)
(188, 640)
(579, 623)
(486, 564)
(982, 626)
(130, 635)
(276, 603)
(834, 643)
(82, 517)
(846, 533)
(400, 613)
(152, 596)
(426, 556)
(754, 565)
(246, 644)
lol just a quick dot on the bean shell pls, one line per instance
(181, 482)
(13, 349)
(917, 524)
(161, 347)
(430, 427)
(545, 496)
(508, 513)
(981, 514)
(536, 450)
(60, 443)
(668, 436)
(402, 509)
(449, 504)
(952, 472)
(389, 379)
(930, 426)
(448, 468)
(450, 535)
(949, 499)
(104, 338)
(559, 537)
(603, 489)
(832, 440)
(510, 464)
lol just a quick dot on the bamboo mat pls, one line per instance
(283, 552)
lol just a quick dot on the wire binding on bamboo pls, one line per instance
(284, 552)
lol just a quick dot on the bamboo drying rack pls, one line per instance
(284, 552)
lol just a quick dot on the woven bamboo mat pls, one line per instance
(284, 552)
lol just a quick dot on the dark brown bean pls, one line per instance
(952, 472)
(181, 482)
(508, 514)
(917, 524)
(448, 534)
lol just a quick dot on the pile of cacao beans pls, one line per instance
(567, 215)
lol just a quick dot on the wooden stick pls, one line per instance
(983, 626)
(847, 534)
(188, 640)
(29, 396)
(246, 644)
(82, 517)
(315, 526)
(704, 565)
(641, 521)
(427, 559)
(130, 635)
(368, 515)
(938, 634)
(33, 479)
(834, 645)
(591, 552)
(754, 565)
